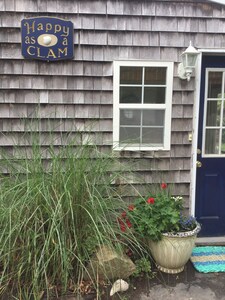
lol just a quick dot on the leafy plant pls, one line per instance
(143, 265)
(158, 213)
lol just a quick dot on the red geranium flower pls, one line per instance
(128, 223)
(150, 201)
(119, 220)
(123, 227)
(124, 214)
(122, 224)
(131, 207)
(163, 185)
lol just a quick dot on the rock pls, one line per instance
(108, 264)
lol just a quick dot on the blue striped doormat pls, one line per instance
(208, 259)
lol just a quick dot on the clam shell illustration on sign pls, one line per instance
(47, 40)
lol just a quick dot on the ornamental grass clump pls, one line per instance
(57, 205)
(156, 214)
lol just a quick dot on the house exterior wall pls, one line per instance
(78, 94)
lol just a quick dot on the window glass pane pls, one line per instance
(213, 113)
(153, 117)
(152, 136)
(130, 117)
(130, 135)
(154, 95)
(215, 85)
(212, 141)
(130, 94)
(130, 75)
(155, 75)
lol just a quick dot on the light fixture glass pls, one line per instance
(188, 62)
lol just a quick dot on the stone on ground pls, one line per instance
(108, 264)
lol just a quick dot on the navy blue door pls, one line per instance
(210, 177)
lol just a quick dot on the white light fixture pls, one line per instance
(188, 61)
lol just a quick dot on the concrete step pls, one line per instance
(219, 240)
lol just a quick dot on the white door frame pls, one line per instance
(195, 122)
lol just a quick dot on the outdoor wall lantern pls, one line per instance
(188, 62)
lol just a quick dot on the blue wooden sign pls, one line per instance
(47, 38)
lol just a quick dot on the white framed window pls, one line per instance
(142, 104)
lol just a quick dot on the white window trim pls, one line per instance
(167, 106)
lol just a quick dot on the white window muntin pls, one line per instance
(142, 106)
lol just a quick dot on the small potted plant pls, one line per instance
(159, 219)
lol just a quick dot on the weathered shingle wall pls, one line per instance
(78, 94)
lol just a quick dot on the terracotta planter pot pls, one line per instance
(174, 250)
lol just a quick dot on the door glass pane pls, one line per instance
(154, 95)
(130, 75)
(212, 141)
(130, 117)
(155, 75)
(223, 142)
(215, 84)
(130, 135)
(153, 136)
(224, 113)
(153, 117)
(213, 113)
(130, 94)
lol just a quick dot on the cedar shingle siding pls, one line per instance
(78, 94)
